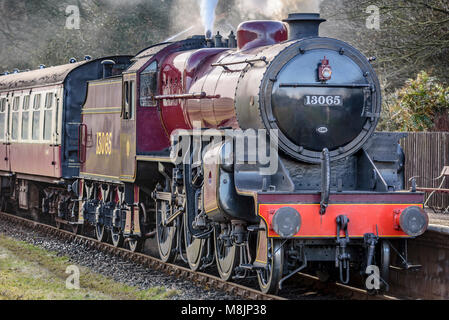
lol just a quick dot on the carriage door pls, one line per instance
(51, 108)
(4, 133)
(128, 129)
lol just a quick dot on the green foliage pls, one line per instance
(421, 105)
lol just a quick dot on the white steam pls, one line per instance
(208, 14)
(189, 17)
(276, 9)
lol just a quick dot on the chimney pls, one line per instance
(303, 25)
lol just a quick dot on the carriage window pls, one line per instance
(36, 117)
(25, 122)
(2, 117)
(26, 103)
(25, 117)
(148, 86)
(15, 119)
(2, 105)
(16, 103)
(48, 115)
(37, 102)
(48, 100)
(36, 124)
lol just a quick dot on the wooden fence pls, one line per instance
(425, 155)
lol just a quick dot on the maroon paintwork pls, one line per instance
(253, 34)
(41, 159)
(171, 78)
(151, 134)
(4, 157)
(191, 72)
(216, 72)
(196, 72)
(101, 117)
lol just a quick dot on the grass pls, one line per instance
(28, 272)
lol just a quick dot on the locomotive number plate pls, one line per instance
(327, 101)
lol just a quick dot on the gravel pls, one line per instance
(113, 267)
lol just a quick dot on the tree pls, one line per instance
(421, 105)
(413, 35)
(34, 32)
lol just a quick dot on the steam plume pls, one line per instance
(276, 9)
(208, 14)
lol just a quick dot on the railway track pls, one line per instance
(308, 284)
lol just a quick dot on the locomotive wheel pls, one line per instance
(3, 204)
(270, 276)
(135, 245)
(74, 208)
(194, 247)
(225, 256)
(384, 263)
(117, 238)
(100, 233)
(166, 236)
(76, 228)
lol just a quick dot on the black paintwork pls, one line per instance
(302, 25)
(304, 130)
(300, 122)
(378, 167)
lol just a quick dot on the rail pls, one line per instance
(200, 278)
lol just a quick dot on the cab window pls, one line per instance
(148, 86)
(125, 99)
(129, 101)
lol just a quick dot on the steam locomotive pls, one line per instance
(255, 154)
